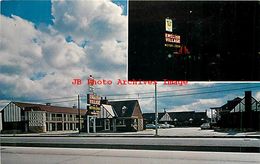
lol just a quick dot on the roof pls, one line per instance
(110, 110)
(231, 103)
(240, 107)
(124, 108)
(166, 117)
(180, 116)
(149, 116)
(49, 108)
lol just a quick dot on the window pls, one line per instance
(124, 108)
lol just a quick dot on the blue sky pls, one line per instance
(42, 50)
(35, 11)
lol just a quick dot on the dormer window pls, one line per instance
(124, 108)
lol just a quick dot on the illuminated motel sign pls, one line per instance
(172, 41)
(172, 38)
(94, 102)
(168, 25)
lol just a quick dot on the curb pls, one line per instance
(132, 136)
(141, 147)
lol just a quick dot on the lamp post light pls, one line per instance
(79, 112)
(156, 111)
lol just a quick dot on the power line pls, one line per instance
(42, 100)
(72, 100)
(55, 102)
(159, 92)
(189, 94)
(39, 100)
(185, 89)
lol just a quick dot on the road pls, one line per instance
(31, 155)
(202, 144)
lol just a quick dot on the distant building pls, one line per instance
(240, 113)
(18, 117)
(179, 119)
(223, 112)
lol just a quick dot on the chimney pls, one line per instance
(248, 101)
(104, 101)
(229, 105)
(48, 104)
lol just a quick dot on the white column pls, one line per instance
(56, 126)
(105, 124)
(62, 121)
(87, 124)
(94, 125)
(114, 125)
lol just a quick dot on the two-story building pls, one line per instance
(18, 117)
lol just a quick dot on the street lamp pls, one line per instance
(79, 113)
(156, 112)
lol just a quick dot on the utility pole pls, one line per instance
(79, 112)
(156, 112)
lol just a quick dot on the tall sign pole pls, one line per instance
(94, 103)
(79, 112)
(156, 112)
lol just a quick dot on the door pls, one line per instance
(107, 124)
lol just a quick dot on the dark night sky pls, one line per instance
(223, 38)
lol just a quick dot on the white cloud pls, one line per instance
(200, 105)
(90, 20)
(101, 26)
(257, 96)
(26, 51)
(60, 54)
(16, 35)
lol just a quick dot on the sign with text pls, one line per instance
(93, 108)
(93, 101)
(172, 45)
(172, 38)
(168, 25)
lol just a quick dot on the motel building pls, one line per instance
(18, 117)
(116, 116)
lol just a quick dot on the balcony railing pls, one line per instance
(65, 119)
(54, 119)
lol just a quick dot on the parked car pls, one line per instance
(150, 126)
(171, 126)
(164, 126)
(205, 126)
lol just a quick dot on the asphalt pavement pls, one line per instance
(32, 155)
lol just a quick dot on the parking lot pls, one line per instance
(194, 131)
